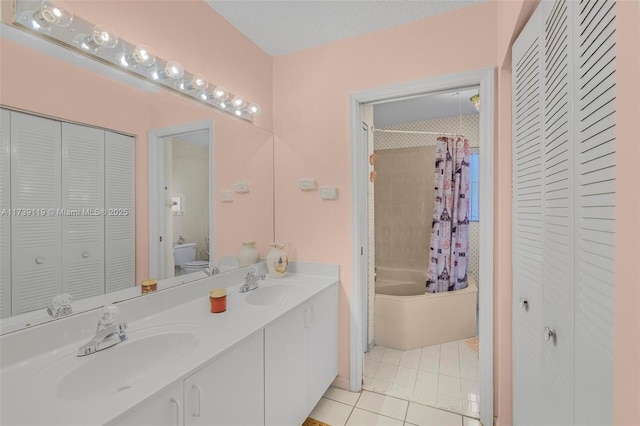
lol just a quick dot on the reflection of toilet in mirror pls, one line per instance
(185, 259)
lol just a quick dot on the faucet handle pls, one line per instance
(60, 305)
(252, 272)
(108, 315)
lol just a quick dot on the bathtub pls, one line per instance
(405, 317)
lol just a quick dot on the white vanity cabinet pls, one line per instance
(230, 390)
(163, 409)
(301, 358)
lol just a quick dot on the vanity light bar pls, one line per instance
(100, 42)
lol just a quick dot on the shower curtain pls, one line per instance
(450, 227)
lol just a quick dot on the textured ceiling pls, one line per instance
(280, 27)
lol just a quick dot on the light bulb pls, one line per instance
(174, 70)
(50, 14)
(220, 93)
(101, 36)
(238, 102)
(142, 56)
(197, 82)
(254, 109)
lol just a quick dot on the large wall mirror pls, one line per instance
(204, 153)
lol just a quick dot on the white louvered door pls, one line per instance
(572, 383)
(83, 193)
(35, 184)
(120, 204)
(5, 217)
(595, 72)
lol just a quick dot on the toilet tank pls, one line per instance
(183, 253)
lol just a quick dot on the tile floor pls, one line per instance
(339, 407)
(443, 376)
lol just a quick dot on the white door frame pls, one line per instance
(157, 203)
(485, 78)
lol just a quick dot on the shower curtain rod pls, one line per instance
(416, 132)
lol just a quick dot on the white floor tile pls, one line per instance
(365, 418)
(342, 395)
(430, 364)
(422, 415)
(431, 351)
(449, 386)
(427, 381)
(406, 376)
(379, 386)
(385, 372)
(470, 390)
(426, 397)
(381, 404)
(370, 367)
(331, 412)
(411, 359)
(449, 366)
(471, 422)
(376, 353)
(392, 356)
(400, 391)
(449, 402)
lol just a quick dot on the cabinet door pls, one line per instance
(83, 198)
(323, 343)
(230, 390)
(35, 187)
(5, 219)
(161, 409)
(286, 368)
(120, 229)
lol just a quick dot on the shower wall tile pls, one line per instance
(403, 191)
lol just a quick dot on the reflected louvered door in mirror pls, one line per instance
(528, 186)
(563, 218)
(595, 73)
(5, 219)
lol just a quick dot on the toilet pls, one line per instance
(184, 256)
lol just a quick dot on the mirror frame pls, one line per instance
(155, 147)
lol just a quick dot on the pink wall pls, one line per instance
(311, 110)
(64, 90)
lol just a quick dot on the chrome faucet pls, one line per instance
(251, 281)
(108, 332)
(60, 306)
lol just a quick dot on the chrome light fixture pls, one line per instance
(53, 20)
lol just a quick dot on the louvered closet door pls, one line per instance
(558, 218)
(35, 184)
(83, 192)
(5, 218)
(527, 66)
(595, 71)
(120, 198)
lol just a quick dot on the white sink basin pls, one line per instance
(273, 294)
(119, 368)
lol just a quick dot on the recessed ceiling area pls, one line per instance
(426, 107)
(282, 27)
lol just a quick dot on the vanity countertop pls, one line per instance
(31, 391)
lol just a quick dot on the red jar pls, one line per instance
(218, 300)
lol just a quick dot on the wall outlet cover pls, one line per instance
(241, 187)
(328, 192)
(226, 196)
(307, 184)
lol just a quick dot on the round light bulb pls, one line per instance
(103, 36)
(142, 56)
(174, 70)
(50, 14)
(238, 102)
(199, 82)
(254, 109)
(220, 93)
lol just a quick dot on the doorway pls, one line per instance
(181, 200)
(484, 79)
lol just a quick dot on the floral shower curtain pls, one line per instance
(450, 227)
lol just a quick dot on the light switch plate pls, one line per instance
(307, 184)
(241, 187)
(226, 196)
(328, 192)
